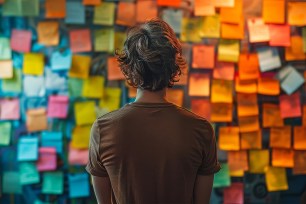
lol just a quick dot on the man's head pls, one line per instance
(152, 56)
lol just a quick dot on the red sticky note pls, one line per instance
(175, 3)
(80, 40)
(21, 40)
(201, 107)
(203, 56)
(47, 159)
(290, 105)
(279, 35)
(233, 194)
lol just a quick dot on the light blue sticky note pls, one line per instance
(13, 85)
(290, 79)
(75, 13)
(34, 86)
(27, 149)
(5, 133)
(61, 60)
(77, 180)
(28, 173)
(52, 139)
(53, 182)
(11, 182)
(56, 82)
(222, 178)
(174, 18)
(75, 87)
(5, 49)
(268, 58)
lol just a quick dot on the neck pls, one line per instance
(151, 96)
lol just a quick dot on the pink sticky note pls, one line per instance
(290, 105)
(224, 70)
(77, 156)
(47, 159)
(58, 106)
(279, 35)
(9, 109)
(21, 40)
(233, 194)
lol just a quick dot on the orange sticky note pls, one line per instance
(295, 51)
(290, 105)
(199, 84)
(238, 160)
(204, 8)
(296, 13)
(221, 91)
(247, 104)
(55, 8)
(175, 96)
(245, 86)
(48, 33)
(232, 31)
(203, 56)
(201, 107)
(80, 40)
(224, 3)
(273, 11)
(173, 3)
(251, 140)
(113, 69)
(258, 30)
(229, 138)
(280, 137)
(232, 14)
(224, 70)
(271, 116)
(279, 35)
(91, 2)
(221, 112)
(299, 141)
(248, 123)
(282, 158)
(299, 162)
(248, 66)
(268, 86)
(257, 165)
(80, 66)
(145, 10)
(126, 14)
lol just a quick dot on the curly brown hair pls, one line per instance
(151, 58)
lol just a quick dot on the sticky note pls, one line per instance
(21, 40)
(282, 158)
(5, 49)
(248, 123)
(232, 14)
(52, 139)
(274, 11)
(28, 173)
(48, 33)
(295, 51)
(104, 13)
(27, 149)
(201, 107)
(61, 60)
(55, 81)
(36, 120)
(245, 86)
(290, 105)
(299, 162)
(268, 58)
(80, 66)
(234, 194)
(276, 178)
(258, 30)
(222, 177)
(77, 156)
(229, 138)
(210, 26)
(11, 182)
(203, 56)
(296, 13)
(238, 160)
(21, 8)
(150, 8)
(224, 3)
(84, 112)
(299, 141)
(199, 84)
(104, 40)
(173, 3)
(204, 8)
(75, 87)
(119, 40)
(247, 104)
(290, 79)
(256, 165)
(113, 70)
(93, 87)
(13, 85)
(55, 8)
(126, 14)
(80, 40)
(5, 129)
(47, 159)
(6, 69)
(232, 31)
(228, 50)
(75, 13)
(9, 109)
(80, 137)
(175, 96)
(271, 116)
(58, 106)
(33, 63)
(77, 180)
(91, 2)
(191, 30)
(268, 86)
(53, 183)
(248, 66)
(221, 91)
(224, 70)
(251, 140)
(279, 35)
(174, 18)
(221, 112)
(111, 98)
(280, 137)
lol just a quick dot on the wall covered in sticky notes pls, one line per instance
(246, 74)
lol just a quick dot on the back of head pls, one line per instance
(152, 56)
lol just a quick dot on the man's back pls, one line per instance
(152, 152)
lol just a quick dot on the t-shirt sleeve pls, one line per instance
(94, 165)
(210, 164)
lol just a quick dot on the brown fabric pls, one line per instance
(152, 152)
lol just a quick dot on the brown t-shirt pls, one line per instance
(152, 152)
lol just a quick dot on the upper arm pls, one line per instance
(202, 189)
(102, 188)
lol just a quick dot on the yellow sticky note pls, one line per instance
(222, 91)
(192, 29)
(120, 38)
(211, 27)
(80, 66)
(84, 112)
(80, 137)
(228, 50)
(258, 160)
(111, 99)
(93, 87)
(33, 63)
(276, 178)
(104, 40)
(104, 13)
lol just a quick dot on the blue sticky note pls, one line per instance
(56, 82)
(75, 13)
(27, 149)
(52, 139)
(77, 180)
(11, 182)
(28, 173)
(53, 182)
(61, 60)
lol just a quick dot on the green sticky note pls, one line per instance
(28, 173)
(5, 49)
(14, 84)
(5, 133)
(104, 13)
(21, 8)
(53, 183)
(30, 7)
(304, 38)
(11, 182)
(75, 87)
(222, 178)
(104, 40)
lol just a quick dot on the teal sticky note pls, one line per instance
(52, 139)
(11, 182)
(53, 183)
(28, 173)
(27, 149)
(5, 49)
(13, 85)
(5, 133)
(75, 87)
(75, 13)
(77, 180)
(222, 178)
